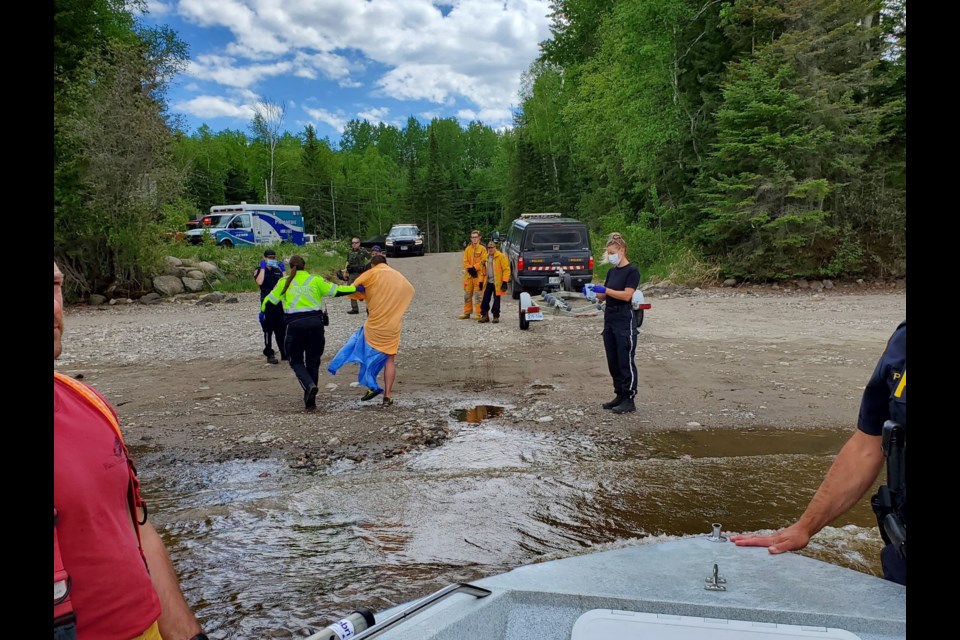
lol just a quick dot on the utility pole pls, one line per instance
(266, 191)
(333, 203)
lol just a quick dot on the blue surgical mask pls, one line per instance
(271, 263)
(613, 258)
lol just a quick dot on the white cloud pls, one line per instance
(336, 120)
(214, 107)
(224, 70)
(376, 114)
(158, 8)
(476, 52)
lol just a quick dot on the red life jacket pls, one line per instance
(62, 607)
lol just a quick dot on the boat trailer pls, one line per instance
(559, 299)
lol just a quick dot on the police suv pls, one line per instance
(538, 244)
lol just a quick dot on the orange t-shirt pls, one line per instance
(388, 295)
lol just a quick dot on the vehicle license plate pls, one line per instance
(403, 248)
(553, 280)
(535, 316)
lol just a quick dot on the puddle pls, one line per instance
(475, 414)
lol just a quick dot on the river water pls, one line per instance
(265, 551)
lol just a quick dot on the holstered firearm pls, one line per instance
(889, 497)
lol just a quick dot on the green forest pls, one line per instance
(753, 139)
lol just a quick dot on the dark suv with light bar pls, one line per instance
(538, 243)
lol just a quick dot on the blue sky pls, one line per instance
(329, 61)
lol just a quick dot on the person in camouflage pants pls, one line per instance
(358, 260)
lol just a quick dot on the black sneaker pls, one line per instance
(625, 407)
(387, 401)
(371, 394)
(613, 403)
(353, 311)
(273, 360)
(310, 396)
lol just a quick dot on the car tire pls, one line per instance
(226, 244)
(524, 323)
(514, 289)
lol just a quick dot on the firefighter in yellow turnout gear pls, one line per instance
(474, 258)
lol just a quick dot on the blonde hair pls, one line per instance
(617, 241)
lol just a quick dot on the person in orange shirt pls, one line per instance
(375, 345)
(474, 257)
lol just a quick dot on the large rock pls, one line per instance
(168, 285)
(151, 298)
(189, 262)
(193, 284)
(196, 274)
(730, 282)
(172, 270)
(174, 261)
(216, 296)
(96, 298)
(208, 267)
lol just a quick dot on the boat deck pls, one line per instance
(776, 596)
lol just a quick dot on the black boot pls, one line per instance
(614, 402)
(625, 407)
(310, 397)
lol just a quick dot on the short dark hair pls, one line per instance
(269, 253)
(378, 260)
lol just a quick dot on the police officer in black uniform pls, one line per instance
(620, 326)
(879, 441)
(267, 274)
(358, 261)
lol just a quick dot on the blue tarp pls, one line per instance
(357, 350)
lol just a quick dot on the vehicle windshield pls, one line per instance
(220, 221)
(404, 231)
(557, 238)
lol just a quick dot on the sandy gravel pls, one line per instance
(189, 379)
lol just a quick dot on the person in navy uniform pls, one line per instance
(878, 441)
(620, 326)
(272, 321)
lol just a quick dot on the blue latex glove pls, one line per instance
(260, 316)
(361, 289)
(263, 265)
(599, 288)
(283, 269)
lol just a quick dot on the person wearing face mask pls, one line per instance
(267, 274)
(620, 328)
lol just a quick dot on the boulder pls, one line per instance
(151, 298)
(96, 298)
(214, 297)
(193, 284)
(168, 285)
